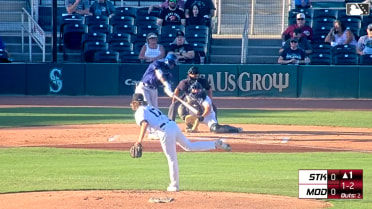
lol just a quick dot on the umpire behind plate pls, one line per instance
(201, 101)
(184, 88)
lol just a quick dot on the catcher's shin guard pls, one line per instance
(192, 123)
(217, 128)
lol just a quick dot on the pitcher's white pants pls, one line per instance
(169, 137)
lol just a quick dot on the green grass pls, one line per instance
(41, 116)
(47, 169)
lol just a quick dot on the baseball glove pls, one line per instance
(192, 123)
(136, 151)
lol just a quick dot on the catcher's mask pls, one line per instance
(196, 89)
(137, 100)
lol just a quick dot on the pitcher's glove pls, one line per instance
(136, 151)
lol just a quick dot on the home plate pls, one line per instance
(285, 140)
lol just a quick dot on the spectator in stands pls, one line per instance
(172, 15)
(293, 55)
(151, 50)
(196, 19)
(306, 30)
(4, 55)
(182, 49)
(77, 7)
(302, 4)
(102, 7)
(303, 43)
(340, 35)
(180, 4)
(364, 45)
(206, 8)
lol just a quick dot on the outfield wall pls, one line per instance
(100, 79)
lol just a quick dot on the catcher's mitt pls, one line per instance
(136, 151)
(192, 123)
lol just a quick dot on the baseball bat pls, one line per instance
(187, 105)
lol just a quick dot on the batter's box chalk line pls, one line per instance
(161, 199)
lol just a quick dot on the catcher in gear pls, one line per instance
(170, 134)
(183, 89)
(200, 100)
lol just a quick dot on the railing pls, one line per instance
(244, 53)
(34, 32)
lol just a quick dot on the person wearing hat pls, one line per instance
(293, 54)
(183, 88)
(151, 50)
(306, 30)
(303, 43)
(182, 49)
(172, 15)
(149, 117)
(364, 45)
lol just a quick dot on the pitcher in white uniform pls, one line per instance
(170, 134)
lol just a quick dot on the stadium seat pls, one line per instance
(322, 25)
(90, 48)
(318, 38)
(320, 58)
(169, 32)
(72, 35)
(125, 28)
(331, 13)
(98, 28)
(106, 56)
(344, 55)
(323, 48)
(121, 20)
(146, 20)
(96, 20)
(90, 37)
(201, 50)
(345, 59)
(366, 59)
(120, 37)
(352, 23)
(126, 11)
(143, 30)
(120, 46)
(129, 57)
(143, 11)
(197, 34)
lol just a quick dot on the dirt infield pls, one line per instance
(255, 138)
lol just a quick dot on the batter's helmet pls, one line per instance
(137, 97)
(170, 59)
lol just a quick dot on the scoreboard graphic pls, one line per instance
(330, 184)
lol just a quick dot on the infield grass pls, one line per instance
(41, 116)
(47, 169)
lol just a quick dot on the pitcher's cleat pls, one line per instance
(172, 189)
(222, 145)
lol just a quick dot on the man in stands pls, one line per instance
(77, 7)
(306, 30)
(172, 15)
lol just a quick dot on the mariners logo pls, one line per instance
(355, 9)
(55, 77)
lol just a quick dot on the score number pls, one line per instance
(330, 184)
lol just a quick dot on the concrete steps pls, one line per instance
(260, 51)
